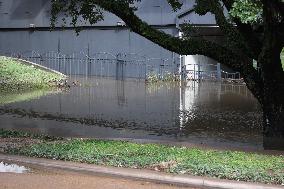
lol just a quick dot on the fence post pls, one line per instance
(219, 71)
(65, 67)
(58, 45)
(198, 71)
(119, 68)
(59, 62)
(88, 61)
(194, 72)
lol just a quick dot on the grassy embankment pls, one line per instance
(178, 160)
(15, 76)
(19, 81)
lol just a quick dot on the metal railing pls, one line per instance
(228, 75)
(203, 71)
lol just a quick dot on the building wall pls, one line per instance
(97, 40)
(22, 13)
(17, 36)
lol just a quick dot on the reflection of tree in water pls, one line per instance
(94, 121)
(224, 111)
(201, 125)
(225, 123)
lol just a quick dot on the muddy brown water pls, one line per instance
(207, 113)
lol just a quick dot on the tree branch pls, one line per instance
(228, 4)
(246, 31)
(236, 38)
(191, 46)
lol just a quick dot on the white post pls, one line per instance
(219, 71)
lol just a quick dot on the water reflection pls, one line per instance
(8, 98)
(207, 112)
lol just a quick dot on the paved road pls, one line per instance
(56, 179)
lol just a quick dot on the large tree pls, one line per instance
(255, 33)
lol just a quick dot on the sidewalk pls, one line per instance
(58, 179)
(143, 175)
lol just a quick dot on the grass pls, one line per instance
(178, 160)
(15, 77)
(153, 77)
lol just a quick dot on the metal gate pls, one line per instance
(207, 72)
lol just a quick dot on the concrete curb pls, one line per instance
(145, 175)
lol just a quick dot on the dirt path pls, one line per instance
(56, 179)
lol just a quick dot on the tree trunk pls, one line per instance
(273, 79)
(273, 121)
(273, 97)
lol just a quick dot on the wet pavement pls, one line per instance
(202, 113)
(53, 178)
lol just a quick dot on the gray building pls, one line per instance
(24, 29)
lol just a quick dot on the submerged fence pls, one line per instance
(203, 71)
(123, 65)
(102, 64)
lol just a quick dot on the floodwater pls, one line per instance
(201, 113)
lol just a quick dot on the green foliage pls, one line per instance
(74, 9)
(188, 30)
(15, 76)
(170, 77)
(179, 160)
(81, 12)
(175, 4)
(153, 77)
(248, 11)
